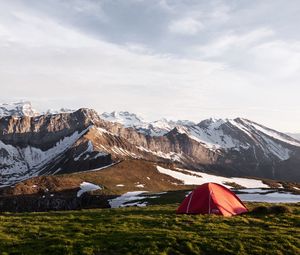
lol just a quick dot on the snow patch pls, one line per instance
(89, 149)
(171, 155)
(139, 204)
(198, 178)
(86, 187)
(102, 131)
(129, 196)
(123, 152)
(100, 154)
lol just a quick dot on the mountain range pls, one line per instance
(66, 141)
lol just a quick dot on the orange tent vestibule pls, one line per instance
(212, 198)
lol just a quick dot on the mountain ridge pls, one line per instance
(294, 135)
(84, 140)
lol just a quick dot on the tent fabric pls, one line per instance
(212, 198)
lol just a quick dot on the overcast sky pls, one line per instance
(177, 59)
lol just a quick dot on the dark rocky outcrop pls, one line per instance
(66, 200)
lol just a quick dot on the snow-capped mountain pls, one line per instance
(125, 118)
(240, 134)
(82, 140)
(18, 109)
(154, 128)
(24, 108)
(47, 144)
(237, 146)
(212, 133)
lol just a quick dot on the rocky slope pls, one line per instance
(46, 144)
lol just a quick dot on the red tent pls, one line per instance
(212, 198)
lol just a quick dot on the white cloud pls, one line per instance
(278, 59)
(258, 54)
(35, 31)
(46, 58)
(235, 70)
(220, 12)
(186, 26)
(233, 41)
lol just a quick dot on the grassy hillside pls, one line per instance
(128, 173)
(149, 230)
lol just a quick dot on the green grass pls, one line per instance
(149, 230)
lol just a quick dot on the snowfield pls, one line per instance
(189, 177)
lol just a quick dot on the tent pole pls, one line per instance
(188, 207)
(209, 203)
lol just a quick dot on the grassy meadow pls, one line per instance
(149, 230)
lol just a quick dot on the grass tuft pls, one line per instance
(277, 209)
(260, 210)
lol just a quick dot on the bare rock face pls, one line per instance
(45, 130)
(47, 144)
(80, 141)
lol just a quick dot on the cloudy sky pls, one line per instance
(159, 58)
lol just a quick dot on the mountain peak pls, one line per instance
(62, 110)
(18, 109)
(123, 117)
(212, 123)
